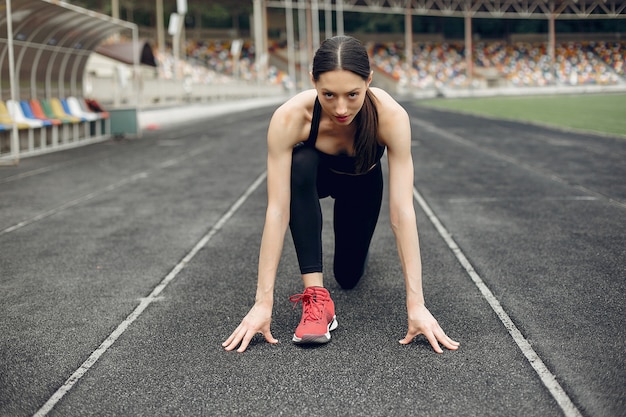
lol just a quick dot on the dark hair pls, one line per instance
(347, 53)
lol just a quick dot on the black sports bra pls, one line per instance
(342, 164)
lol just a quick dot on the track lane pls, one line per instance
(546, 236)
(71, 278)
(155, 367)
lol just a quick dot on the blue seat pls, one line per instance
(66, 108)
(28, 112)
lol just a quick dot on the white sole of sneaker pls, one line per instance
(317, 338)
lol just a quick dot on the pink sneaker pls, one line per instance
(318, 316)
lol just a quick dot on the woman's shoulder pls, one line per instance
(298, 105)
(385, 103)
(389, 111)
(393, 119)
(293, 118)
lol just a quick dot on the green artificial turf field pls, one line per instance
(598, 113)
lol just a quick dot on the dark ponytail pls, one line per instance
(366, 141)
(347, 53)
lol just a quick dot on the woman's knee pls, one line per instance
(348, 275)
(348, 281)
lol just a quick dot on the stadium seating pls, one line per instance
(520, 64)
(94, 106)
(28, 113)
(7, 120)
(32, 133)
(56, 107)
(49, 123)
(39, 112)
(74, 108)
(16, 112)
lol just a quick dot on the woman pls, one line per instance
(328, 141)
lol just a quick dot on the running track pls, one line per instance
(125, 264)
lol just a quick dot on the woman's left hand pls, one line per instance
(421, 321)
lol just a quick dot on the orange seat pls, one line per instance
(39, 113)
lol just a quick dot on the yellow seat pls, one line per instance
(6, 119)
(59, 112)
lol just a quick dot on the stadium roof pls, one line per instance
(125, 52)
(51, 42)
(511, 9)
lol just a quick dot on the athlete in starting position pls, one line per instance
(328, 141)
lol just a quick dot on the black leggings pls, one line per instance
(357, 206)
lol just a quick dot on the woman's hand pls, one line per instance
(422, 322)
(256, 321)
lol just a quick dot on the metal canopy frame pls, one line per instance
(51, 42)
(44, 47)
(512, 9)
(549, 10)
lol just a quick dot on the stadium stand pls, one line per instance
(53, 42)
(211, 61)
(519, 64)
(435, 64)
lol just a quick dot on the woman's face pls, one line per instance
(341, 94)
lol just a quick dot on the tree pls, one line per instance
(223, 13)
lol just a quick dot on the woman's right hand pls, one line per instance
(256, 321)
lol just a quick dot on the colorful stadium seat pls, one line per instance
(57, 109)
(40, 113)
(7, 120)
(74, 108)
(16, 112)
(28, 112)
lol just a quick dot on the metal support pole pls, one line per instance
(552, 47)
(15, 142)
(260, 50)
(115, 14)
(469, 59)
(176, 41)
(115, 9)
(303, 52)
(328, 16)
(266, 42)
(408, 38)
(136, 69)
(291, 59)
(309, 29)
(160, 21)
(315, 24)
(339, 6)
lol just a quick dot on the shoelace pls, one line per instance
(312, 310)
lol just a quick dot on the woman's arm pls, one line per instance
(395, 133)
(285, 130)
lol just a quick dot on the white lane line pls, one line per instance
(547, 378)
(462, 200)
(74, 202)
(534, 169)
(141, 175)
(48, 168)
(32, 173)
(98, 155)
(145, 302)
